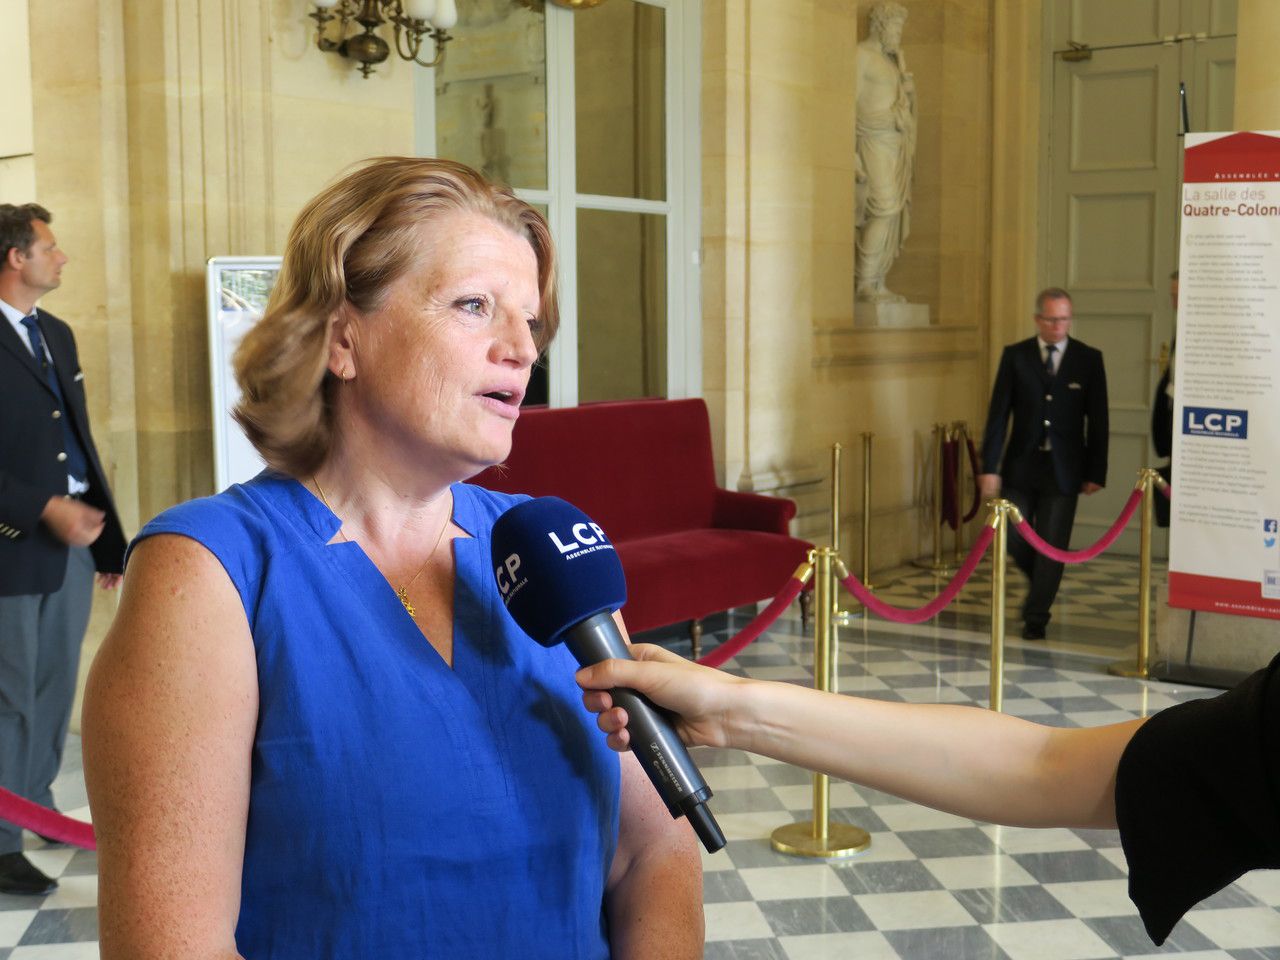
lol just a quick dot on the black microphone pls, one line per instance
(561, 581)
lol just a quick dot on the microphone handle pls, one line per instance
(654, 742)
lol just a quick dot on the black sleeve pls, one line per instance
(1097, 427)
(1162, 419)
(1197, 801)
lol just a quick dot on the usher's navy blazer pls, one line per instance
(1073, 402)
(32, 559)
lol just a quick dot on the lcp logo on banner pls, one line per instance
(1212, 422)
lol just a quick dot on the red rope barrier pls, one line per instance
(748, 634)
(933, 607)
(1028, 533)
(48, 823)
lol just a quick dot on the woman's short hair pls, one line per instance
(350, 244)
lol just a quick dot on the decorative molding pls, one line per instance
(883, 346)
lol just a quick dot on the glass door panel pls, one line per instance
(622, 305)
(491, 93)
(620, 100)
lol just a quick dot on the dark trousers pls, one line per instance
(40, 637)
(1051, 513)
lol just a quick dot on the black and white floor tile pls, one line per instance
(931, 885)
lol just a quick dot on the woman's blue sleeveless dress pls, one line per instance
(400, 809)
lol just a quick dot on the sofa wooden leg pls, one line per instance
(695, 637)
(806, 607)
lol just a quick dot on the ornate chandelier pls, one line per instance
(413, 21)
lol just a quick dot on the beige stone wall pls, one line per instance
(786, 372)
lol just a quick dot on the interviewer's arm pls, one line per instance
(169, 717)
(964, 760)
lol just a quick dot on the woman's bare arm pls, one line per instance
(654, 894)
(169, 717)
(967, 761)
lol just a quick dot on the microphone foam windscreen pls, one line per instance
(554, 567)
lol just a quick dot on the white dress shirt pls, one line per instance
(1058, 350)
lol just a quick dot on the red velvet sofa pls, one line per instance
(642, 469)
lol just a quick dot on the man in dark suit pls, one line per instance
(1055, 388)
(57, 526)
(1162, 410)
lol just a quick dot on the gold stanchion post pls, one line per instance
(819, 837)
(840, 616)
(866, 510)
(836, 450)
(937, 564)
(1141, 670)
(999, 547)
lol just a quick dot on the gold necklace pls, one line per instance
(402, 593)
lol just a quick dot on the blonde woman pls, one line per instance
(313, 732)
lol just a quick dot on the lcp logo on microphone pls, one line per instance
(505, 574)
(580, 540)
(584, 538)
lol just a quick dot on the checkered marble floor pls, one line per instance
(930, 886)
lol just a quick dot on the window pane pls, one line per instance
(491, 94)
(622, 305)
(620, 91)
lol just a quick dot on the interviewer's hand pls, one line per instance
(989, 485)
(74, 523)
(1089, 488)
(702, 698)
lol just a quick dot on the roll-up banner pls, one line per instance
(1224, 551)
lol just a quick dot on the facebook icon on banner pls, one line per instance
(1215, 422)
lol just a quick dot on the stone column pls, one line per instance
(1015, 157)
(1257, 67)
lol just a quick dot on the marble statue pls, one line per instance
(886, 147)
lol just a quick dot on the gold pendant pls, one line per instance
(403, 594)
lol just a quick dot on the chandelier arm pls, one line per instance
(323, 18)
(440, 38)
(412, 37)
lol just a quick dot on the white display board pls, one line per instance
(1225, 544)
(237, 289)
